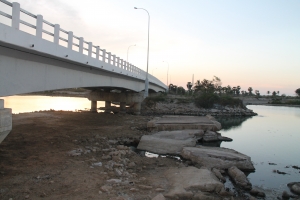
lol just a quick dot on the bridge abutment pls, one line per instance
(5, 121)
(129, 98)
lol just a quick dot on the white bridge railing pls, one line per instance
(92, 50)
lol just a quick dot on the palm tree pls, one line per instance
(250, 90)
(268, 92)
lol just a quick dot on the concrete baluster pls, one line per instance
(70, 40)
(121, 62)
(56, 33)
(90, 49)
(118, 61)
(15, 21)
(114, 60)
(97, 52)
(109, 57)
(81, 45)
(39, 26)
(103, 55)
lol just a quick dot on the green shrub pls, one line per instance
(293, 102)
(207, 100)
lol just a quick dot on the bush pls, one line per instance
(207, 100)
(293, 102)
(151, 100)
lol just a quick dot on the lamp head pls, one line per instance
(135, 7)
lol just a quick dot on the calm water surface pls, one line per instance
(271, 137)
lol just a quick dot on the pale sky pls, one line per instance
(248, 43)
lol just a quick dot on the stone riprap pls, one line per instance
(217, 157)
(170, 142)
(163, 108)
(193, 183)
(170, 122)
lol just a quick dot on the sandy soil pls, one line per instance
(35, 164)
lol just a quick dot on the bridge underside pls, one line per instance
(22, 71)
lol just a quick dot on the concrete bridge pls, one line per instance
(56, 60)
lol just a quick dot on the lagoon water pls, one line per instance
(272, 140)
(271, 137)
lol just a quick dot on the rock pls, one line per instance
(219, 175)
(75, 152)
(210, 136)
(217, 157)
(106, 157)
(159, 197)
(285, 195)
(294, 187)
(164, 146)
(256, 192)
(131, 165)
(239, 178)
(189, 180)
(134, 189)
(98, 164)
(159, 190)
(117, 172)
(145, 187)
(205, 196)
(114, 181)
(106, 188)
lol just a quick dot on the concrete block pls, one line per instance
(1, 103)
(5, 123)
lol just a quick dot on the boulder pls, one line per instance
(295, 187)
(239, 178)
(211, 136)
(189, 182)
(217, 157)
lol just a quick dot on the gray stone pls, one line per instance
(239, 178)
(294, 187)
(159, 197)
(185, 182)
(219, 175)
(217, 157)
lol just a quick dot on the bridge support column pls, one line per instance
(122, 107)
(135, 99)
(107, 106)
(137, 108)
(93, 106)
(5, 121)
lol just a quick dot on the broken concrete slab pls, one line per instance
(170, 122)
(163, 145)
(189, 182)
(217, 157)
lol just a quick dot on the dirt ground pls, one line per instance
(35, 162)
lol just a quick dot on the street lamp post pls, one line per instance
(146, 81)
(167, 73)
(128, 50)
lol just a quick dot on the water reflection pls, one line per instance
(229, 123)
(271, 137)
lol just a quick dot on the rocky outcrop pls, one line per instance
(174, 108)
(217, 157)
(211, 136)
(193, 183)
(239, 178)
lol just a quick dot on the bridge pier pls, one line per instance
(93, 106)
(5, 121)
(134, 99)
